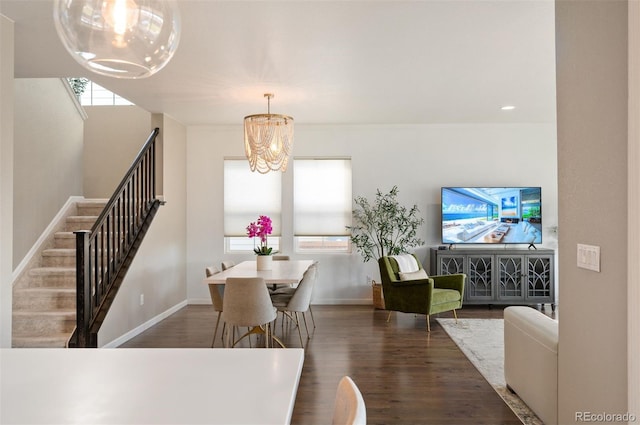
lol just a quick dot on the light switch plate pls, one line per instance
(589, 257)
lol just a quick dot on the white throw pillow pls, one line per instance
(420, 274)
(406, 263)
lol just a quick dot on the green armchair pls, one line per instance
(423, 296)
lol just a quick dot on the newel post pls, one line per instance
(83, 289)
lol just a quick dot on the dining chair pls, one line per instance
(297, 301)
(290, 290)
(274, 287)
(349, 405)
(227, 264)
(247, 303)
(217, 294)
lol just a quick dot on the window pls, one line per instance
(322, 204)
(95, 95)
(248, 195)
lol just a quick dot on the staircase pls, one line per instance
(44, 300)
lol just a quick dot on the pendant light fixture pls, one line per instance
(268, 139)
(119, 38)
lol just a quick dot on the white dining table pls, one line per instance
(282, 272)
(148, 386)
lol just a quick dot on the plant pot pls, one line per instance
(378, 297)
(264, 262)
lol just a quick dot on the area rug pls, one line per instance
(482, 341)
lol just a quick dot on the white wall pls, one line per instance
(592, 88)
(419, 159)
(159, 269)
(113, 137)
(6, 178)
(47, 163)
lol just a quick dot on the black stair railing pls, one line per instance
(104, 253)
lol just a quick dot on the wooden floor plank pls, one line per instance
(406, 375)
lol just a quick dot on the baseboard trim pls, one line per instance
(199, 301)
(345, 301)
(44, 237)
(143, 327)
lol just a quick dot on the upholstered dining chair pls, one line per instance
(349, 405)
(217, 293)
(418, 293)
(227, 264)
(297, 301)
(290, 290)
(247, 303)
(274, 287)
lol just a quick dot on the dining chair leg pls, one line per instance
(277, 340)
(215, 332)
(298, 324)
(229, 335)
(286, 316)
(304, 317)
(312, 319)
(389, 316)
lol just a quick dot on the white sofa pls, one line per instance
(531, 360)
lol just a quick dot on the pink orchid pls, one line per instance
(261, 229)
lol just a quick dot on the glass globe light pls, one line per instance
(119, 38)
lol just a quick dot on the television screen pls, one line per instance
(485, 215)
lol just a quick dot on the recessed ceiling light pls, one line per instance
(508, 108)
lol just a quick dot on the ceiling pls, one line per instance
(332, 62)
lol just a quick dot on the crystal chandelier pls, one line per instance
(119, 38)
(268, 139)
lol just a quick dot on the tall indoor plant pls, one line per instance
(384, 227)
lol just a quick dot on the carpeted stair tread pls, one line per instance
(51, 277)
(67, 313)
(40, 323)
(82, 218)
(44, 298)
(65, 240)
(80, 222)
(92, 202)
(66, 252)
(48, 341)
(44, 289)
(39, 271)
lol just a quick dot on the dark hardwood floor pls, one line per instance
(406, 375)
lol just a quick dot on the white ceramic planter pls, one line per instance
(264, 262)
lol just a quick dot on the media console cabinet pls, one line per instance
(504, 276)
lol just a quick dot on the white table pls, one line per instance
(148, 386)
(282, 272)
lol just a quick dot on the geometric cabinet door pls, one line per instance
(510, 275)
(539, 277)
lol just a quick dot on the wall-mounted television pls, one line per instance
(491, 215)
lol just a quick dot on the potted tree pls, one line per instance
(384, 228)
